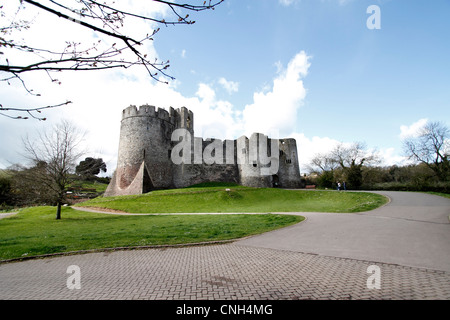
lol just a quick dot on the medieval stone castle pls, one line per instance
(158, 150)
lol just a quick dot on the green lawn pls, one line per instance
(35, 231)
(240, 199)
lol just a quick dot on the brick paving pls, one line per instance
(225, 272)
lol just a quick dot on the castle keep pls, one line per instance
(158, 150)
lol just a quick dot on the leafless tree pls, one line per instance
(355, 154)
(321, 162)
(55, 153)
(105, 18)
(431, 146)
(345, 162)
(344, 156)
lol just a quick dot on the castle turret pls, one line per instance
(185, 120)
(143, 162)
(257, 159)
(289, 171)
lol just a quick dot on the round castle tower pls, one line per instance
(144, 162)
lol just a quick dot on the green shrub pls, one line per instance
(443, 187)
(5, 190)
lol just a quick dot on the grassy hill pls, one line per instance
(220, 198)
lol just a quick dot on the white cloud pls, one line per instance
(389, 157)
(277, 109)
(286, 2)
(183, 53)
(344, 2)
(213, 118)
(307, 148)
(413, 129)
(229, 86)
(206, 93)
(279, 66)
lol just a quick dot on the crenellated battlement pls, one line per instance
(179, 117)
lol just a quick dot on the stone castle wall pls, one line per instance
(145, 147)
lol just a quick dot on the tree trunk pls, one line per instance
(58, 211)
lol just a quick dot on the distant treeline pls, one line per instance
(402, 178)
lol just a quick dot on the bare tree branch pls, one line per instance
(29, 111)
(80, 57)
(431, 147)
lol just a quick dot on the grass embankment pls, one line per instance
(204, 199)
(35, 231)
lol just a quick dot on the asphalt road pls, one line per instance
(413, 230)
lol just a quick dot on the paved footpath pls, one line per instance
(412, 230)
(275, 265)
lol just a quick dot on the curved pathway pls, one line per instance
(325, 257)
(413, 230)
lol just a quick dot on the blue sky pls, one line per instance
(310, 68)
(362, 84)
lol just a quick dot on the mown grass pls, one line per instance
(35, 231)
(239, 199)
